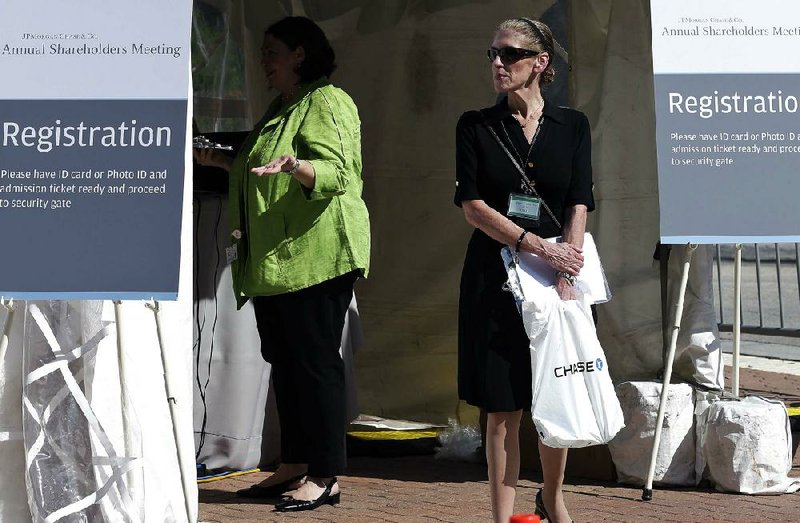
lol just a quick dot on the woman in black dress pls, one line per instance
(553, 146)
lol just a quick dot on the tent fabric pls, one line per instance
(412, 67)
(698, 354)
(231, 378)
(13, 496)
(95, 418)
(74, 471)
(412, 71)
(396, 59)
(612, 83)
(431, 66)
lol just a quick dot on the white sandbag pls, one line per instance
(633, 445)
(702, 400)
(574, 403)
(748, 446)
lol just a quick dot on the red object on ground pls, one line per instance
(524, 518)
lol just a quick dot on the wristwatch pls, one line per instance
(294, 167)
(567, 276)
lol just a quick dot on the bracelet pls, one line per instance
(567, 276)
(519, 240)
(294, 167)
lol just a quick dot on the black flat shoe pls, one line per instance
(271, 491)
(540, 510)
(297, 505)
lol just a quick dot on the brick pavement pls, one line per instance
(422, 489)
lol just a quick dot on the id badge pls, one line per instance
(524, 206)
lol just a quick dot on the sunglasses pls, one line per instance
(509, 55)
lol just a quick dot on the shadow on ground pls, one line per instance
(212, 496)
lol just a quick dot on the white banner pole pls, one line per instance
(647, 492)
(9, 306)
(130, 452)
(737, 316)
(172, 402)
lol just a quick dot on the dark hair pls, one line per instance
(299, 31)
(538, 37)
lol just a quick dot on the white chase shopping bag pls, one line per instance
(574, 401)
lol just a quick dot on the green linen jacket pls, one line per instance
(287, 236)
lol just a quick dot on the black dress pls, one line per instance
(494, 368)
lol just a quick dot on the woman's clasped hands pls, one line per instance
(564, 257)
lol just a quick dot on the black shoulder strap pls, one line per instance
(521, 171)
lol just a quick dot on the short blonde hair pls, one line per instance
(537, 37)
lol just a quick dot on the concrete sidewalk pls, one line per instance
(422, 489)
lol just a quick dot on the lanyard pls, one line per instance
(525, 180)
(530, 148)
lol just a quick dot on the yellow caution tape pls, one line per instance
(393, 435)
(794, 411)
(226, 476)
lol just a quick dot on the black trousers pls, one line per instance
(301, 333)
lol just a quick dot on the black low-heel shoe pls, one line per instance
(297, 505)
(540, 510)
(271, 491)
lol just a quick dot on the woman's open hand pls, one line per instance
(280, 164)
(563, 257)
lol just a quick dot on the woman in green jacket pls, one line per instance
(301, 236)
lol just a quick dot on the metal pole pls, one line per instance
(797, 264)
(737, 316)
(6, 328)
(758, 287)
(780, 291)
(719, 283)
(663, 263)
(172, 402)
(647, 492)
